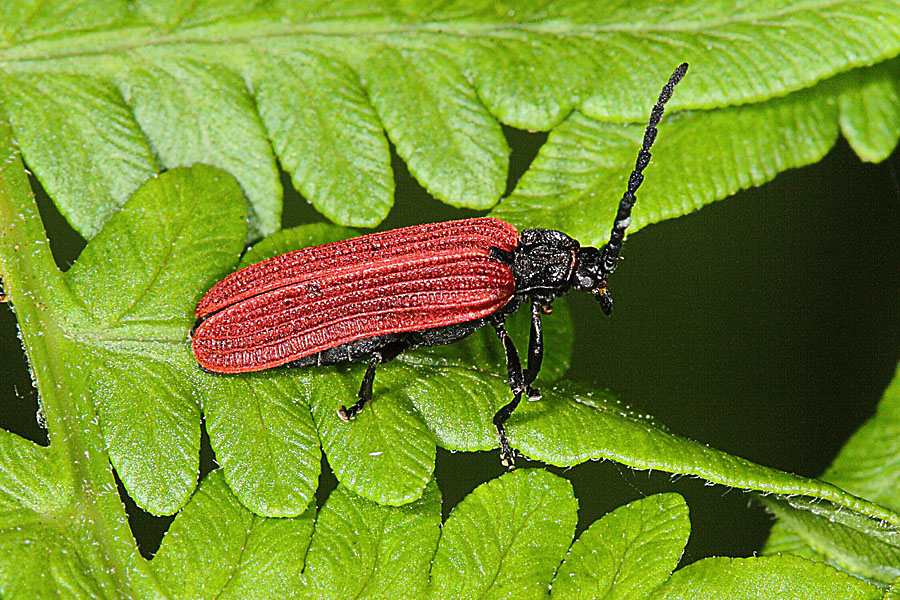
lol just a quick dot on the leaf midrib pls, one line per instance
(524, 521)
(169, 332)
(271, 26)
(235, 569)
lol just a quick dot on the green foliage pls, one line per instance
(506, 538)
(868, 465)
(102, 95)
(628, 553)
(264, 430)
(110, 103)
(701, 156)
(131, 346)
(785, 577)
(870, 110)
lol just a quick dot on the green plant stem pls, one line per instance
(45, 310)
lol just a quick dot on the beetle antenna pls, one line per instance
(623, 216)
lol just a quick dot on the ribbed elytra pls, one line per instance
(376, 296)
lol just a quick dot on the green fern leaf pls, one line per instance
(103, 94)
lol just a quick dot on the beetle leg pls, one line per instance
(379, 357)
(517, 385)
(535, 350)
(365, 390)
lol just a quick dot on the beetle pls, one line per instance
(376, 296)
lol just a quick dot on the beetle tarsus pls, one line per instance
(500, 418)
(348, 414)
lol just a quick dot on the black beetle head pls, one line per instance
(543, 263)
(590, 276)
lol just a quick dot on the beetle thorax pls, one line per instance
(543, 263)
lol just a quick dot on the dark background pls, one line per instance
(765, 325)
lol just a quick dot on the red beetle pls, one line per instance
(378, 295)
